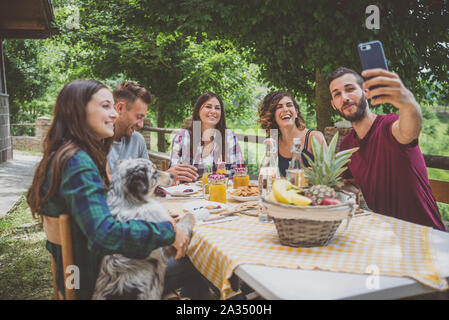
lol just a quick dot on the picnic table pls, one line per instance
(377, 257)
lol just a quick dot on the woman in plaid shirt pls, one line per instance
(210, 136)
(71, 178)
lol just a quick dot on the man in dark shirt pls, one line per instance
(389, 166)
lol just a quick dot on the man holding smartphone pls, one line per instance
(389, 167)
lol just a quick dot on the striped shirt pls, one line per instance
(95, 232)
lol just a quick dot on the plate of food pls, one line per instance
(249, 193)
(211, 206)
(182, 189)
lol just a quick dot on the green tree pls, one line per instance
(176, 68)
(297, 43)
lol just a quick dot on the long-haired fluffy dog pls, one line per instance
(130, 197)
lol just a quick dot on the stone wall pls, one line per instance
(5, 138)
(27, 143)
(42, 127)
(33, 143)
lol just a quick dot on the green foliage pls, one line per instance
(292, 39)
(108, 45)
(175, 68)
(28, 74)
(433, 139)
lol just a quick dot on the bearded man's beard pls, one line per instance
(360, 113)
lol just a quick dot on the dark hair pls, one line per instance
(66, 136)
(267, 109)
(221, 125)
(341, 71)
(129, 91)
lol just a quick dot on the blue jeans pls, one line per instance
(182, 274)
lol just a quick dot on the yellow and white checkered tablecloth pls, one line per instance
(394, 247)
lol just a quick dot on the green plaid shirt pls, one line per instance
(95, 232)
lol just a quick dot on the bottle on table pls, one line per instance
(221, 167)
(268, 173)
(295, 172)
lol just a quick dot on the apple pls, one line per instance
(329, 202)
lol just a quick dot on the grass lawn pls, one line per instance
(25, 267)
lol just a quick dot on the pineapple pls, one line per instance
(324, 175)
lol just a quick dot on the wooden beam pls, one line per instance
(25, 19)
(160, 130)
(436, 162)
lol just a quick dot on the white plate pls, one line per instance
(243, 199)
(179, 189)
(193, 206)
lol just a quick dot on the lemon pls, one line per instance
(280, 190)
(298, 199)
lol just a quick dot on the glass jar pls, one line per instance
(217, 188)
(240, 178)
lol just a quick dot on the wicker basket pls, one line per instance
(309, 226)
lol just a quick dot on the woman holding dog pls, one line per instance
(71, 178)
(279, 110)
(207, 137)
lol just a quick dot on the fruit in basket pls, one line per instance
(281, 190)
(320, 192)
(284, 192)
(330, 202)
(325, 170)
(298, 199)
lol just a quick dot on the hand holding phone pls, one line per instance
(372, 57)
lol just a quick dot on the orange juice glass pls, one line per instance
(217, 188)
(218, 192)
(240, 178)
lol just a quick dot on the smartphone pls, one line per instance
(372, 57)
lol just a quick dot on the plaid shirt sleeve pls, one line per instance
(85, 196)
(180, 150)
(234, 156)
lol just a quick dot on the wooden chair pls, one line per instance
(440, 190)
(58, 232)
(164, 165)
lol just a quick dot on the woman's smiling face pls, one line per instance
(285, 113)
(101, 114)
(210, 113)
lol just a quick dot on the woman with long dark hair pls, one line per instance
(207, 139)
(279, 110)
(71, 178)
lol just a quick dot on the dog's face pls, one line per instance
(139, 178)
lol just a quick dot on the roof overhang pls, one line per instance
(25, 19)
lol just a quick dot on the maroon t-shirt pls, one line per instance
(392, 176)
